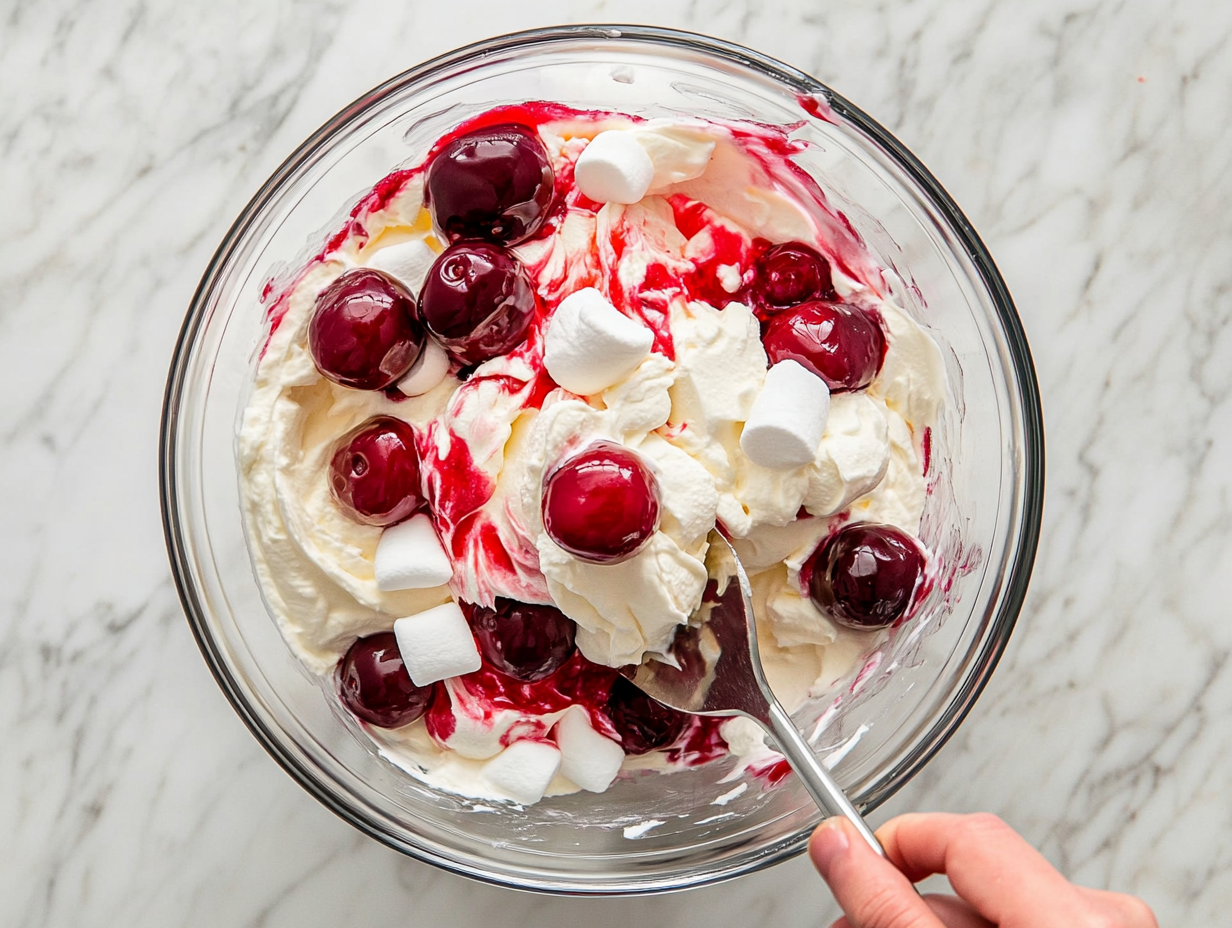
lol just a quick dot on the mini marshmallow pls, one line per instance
(586, 757)
(523, 770)
(407, 261)
(590, 344)
(614, 168)
(788, 418)
(428, 370)
(436, 644)
(409, 556)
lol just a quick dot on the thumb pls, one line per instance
(869, 888)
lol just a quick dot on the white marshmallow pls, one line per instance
(428, 370)
(409, 556)
(590, 344)
(437, 644)
(614, 168)
(586, 757)
(523, 770)
(788, 418)
(407, 261)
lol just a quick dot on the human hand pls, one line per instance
(1001, 881)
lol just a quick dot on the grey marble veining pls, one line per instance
(1089, 142)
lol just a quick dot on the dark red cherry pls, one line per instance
(493, 183)
(790, 274)
(840, 343)
(601, 505)
(864, 575)
(642, 723)
(374, 473)
(525, 641)
(374, 685)
(364, 332)
(478, 301)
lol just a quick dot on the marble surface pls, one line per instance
(1088, 141)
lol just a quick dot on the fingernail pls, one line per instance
(829, 843)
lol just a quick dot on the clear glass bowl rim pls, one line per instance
(1011, 327)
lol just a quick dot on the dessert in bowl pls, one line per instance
(505, 424)
(503, 408)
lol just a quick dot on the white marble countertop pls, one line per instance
(1088, 142)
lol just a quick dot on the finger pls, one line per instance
(870, 890)
(955, 913)
(987, 862)
(1134, 913)
(952, 911)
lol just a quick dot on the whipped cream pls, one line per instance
(488, 443)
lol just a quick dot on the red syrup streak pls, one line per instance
(439, 718)
(817, 106)
(728, 247)
(276, 312)
(454, 486)
(458, 491)
(700, 744)
(650, 300)
(651, 303)
(927, 444)
(773, 774)
(487, 537)
(487, 692)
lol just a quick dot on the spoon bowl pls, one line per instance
(716, 670)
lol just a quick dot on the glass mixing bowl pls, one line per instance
(660, 831)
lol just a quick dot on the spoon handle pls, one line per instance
(813, 774)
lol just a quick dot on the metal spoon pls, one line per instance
(720, 673)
